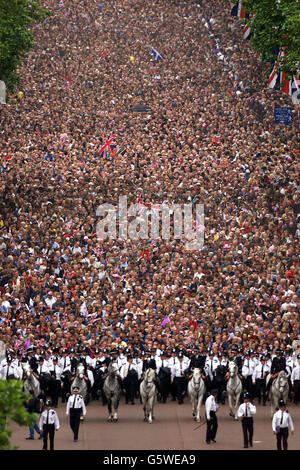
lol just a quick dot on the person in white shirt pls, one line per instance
(49, 423)
(75, 406)
(281, 423)
(211, 408)
(295, 380)
(137, 361)
(129, 375)
(50, 300)
(262, 369)
(178, 376)
(163, 372)
(55, 383)
(64, 361)
(10, 371)
(43, 375)
(246, 411)
(211, 363)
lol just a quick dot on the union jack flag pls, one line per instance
(109, 144)
(98, 251)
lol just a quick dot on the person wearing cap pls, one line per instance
(148, 362)
(137, 361)
(295, 381)
(278, 364)
(246, 411)
(179, 378)
(211, 363)
(247, 372)
(259, 376)
(75, 406)
(43, 375)
(281, 423)
(163, 371)
(129, 375)
(64, 361)
(173, 360)
(9, 371)
(220, 377)
(49, 423)
(55, 383)
(211, 408)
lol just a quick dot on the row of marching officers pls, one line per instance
(57, 369)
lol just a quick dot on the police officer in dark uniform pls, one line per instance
(278, 364)
(197, 360)
(220, 377)
(164, 375)
(149, 362)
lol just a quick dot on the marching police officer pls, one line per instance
(129, 375)
(246, 411)
(164, 374)
(178, 375)
(49, 423)
(75, 406)
(55, 383)
(211, 408)
(259, 375)
(295, 381)
(281, 423)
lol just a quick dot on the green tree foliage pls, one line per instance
(12, 407)
(275, 24)
(16, 37)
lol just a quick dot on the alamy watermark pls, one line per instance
(152, 221)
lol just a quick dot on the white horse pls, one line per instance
(79, 381)
(112, 390)
(196, 390)
(31, 383)
(148, 394)
(279, 390)
(234, 389)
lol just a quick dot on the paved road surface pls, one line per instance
(173, 429)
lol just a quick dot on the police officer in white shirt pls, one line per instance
(10, 371)
(129, 375)
(211, 363)
(163, 371)
(49, 423)
(295, 380)
(211, 408)
(247, 371)
(262, 369)
(55, 383)
(75, 406)
(179, 378)
(246, 411)
(281, 423)
(137, 361)
(64, 361)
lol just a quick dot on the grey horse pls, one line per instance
(30, 381)
(148, 394)
(234, 389)
(196, 390)
(80, 382)
(279, 390)
(112, 391)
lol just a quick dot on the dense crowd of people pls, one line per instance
(207, 137)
